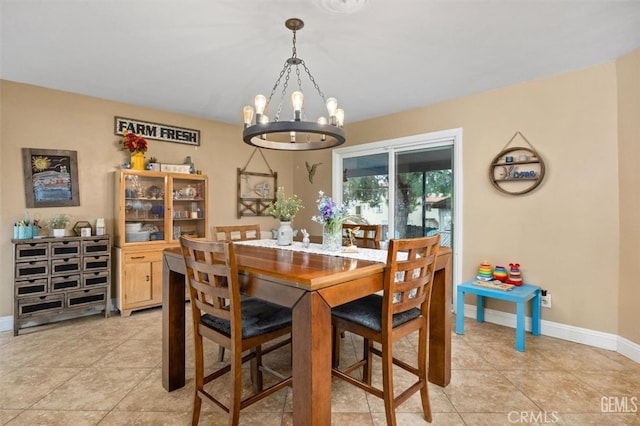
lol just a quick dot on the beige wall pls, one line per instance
(564, 234)
(33, 117)
(628, 73)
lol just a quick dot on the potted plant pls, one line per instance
(284, 209)
(58, 223)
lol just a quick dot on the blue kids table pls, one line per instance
(520, 295)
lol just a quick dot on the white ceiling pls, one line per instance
(208, 58)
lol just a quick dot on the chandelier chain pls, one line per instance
(313, 80)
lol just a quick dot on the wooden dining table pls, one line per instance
(310, 284)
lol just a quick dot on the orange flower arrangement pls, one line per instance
(133, 142)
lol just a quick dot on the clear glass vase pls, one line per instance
(331, 237)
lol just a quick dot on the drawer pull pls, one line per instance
(137, 257)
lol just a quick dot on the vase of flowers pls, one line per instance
(137, 146)
(331, 216)
(284, 209)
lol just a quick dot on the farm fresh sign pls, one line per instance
(161, 132)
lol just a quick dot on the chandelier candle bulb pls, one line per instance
(297, 99)
(339, 117)
(332, 105)
(247, 114)
(260, 102)
(323, 121)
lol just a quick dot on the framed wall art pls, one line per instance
(255, 192)
(50, 177)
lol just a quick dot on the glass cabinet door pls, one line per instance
(188, 207)
(144, 208)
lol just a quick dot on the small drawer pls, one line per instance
(61, 266)
(65, 282)
(34, 269)
(65, 248)
(32, 287)
(30, 306)
(92, 263)
(143, 257)
(95, 279)
(93, 296)
(96, 247)
(33, 251)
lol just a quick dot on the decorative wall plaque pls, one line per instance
(517, 170)
(255, 190)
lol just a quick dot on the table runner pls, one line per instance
(372, 255)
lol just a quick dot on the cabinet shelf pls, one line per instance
(139, 262)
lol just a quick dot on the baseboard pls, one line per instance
(570, 333)
(6, 323)
(629, 349)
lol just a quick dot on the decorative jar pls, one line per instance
(285, 234)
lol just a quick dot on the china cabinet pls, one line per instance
(153, 209)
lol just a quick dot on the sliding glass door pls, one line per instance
(410, 186)
(423, 191)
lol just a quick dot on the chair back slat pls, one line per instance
(366, 236)
(211, 274)
(236, 232)
(409, 273)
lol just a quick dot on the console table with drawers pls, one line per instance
(60, 278)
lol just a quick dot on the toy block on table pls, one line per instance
(515, 277)
(484, 272)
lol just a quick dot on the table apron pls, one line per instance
(352, 290)
(268, 290)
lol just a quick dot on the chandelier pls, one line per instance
(296, 134)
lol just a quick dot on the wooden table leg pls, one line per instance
(173, 328)
(311, 347)
(440, 328)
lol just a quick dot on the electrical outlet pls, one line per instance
(546, 300)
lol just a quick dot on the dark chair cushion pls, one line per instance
(368, 313)
(258, 317)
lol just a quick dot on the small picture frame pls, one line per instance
(50, 178)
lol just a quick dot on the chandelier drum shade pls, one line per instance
(295, 134)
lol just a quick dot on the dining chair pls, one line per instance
(236, 232)
(401, 310)
(366, 236)
(238, 324)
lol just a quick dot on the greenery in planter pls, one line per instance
(283, 208)
(59, 221)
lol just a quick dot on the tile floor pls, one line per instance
(97, 371)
